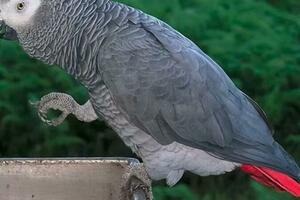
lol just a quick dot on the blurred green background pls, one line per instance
(257, 42)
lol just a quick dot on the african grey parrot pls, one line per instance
(167, 100)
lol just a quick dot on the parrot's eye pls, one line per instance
(20, 6)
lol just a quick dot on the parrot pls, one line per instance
(169, 102)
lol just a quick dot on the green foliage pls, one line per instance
(257, 42)
(288, 5)
(179, 192)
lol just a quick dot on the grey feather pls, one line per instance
(170, 89)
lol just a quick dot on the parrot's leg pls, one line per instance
(67, 105)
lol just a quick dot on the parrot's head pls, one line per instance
(42, 27)
(17, 16)
(33, 23)
(25, 21)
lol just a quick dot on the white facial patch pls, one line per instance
(17, 13)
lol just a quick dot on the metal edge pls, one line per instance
(69, 160)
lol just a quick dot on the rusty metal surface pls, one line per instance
(73, 179)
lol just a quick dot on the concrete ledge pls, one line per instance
(74, 179)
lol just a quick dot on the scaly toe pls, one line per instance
(43, 117)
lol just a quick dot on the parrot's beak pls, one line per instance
(6, 32)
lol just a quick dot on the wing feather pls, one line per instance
(173, 91)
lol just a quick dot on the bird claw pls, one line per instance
(54, 101)
(43, 117)
(58, 120)
(140, 192)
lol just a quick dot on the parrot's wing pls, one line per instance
(169, 88)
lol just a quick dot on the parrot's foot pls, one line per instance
(140, 192)
(136, 184)
(67, 105)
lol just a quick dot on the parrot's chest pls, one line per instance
(159, 159)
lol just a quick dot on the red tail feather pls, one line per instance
(274, 179)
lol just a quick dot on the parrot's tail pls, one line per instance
(274, 179)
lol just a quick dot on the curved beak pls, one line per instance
(6, 32)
